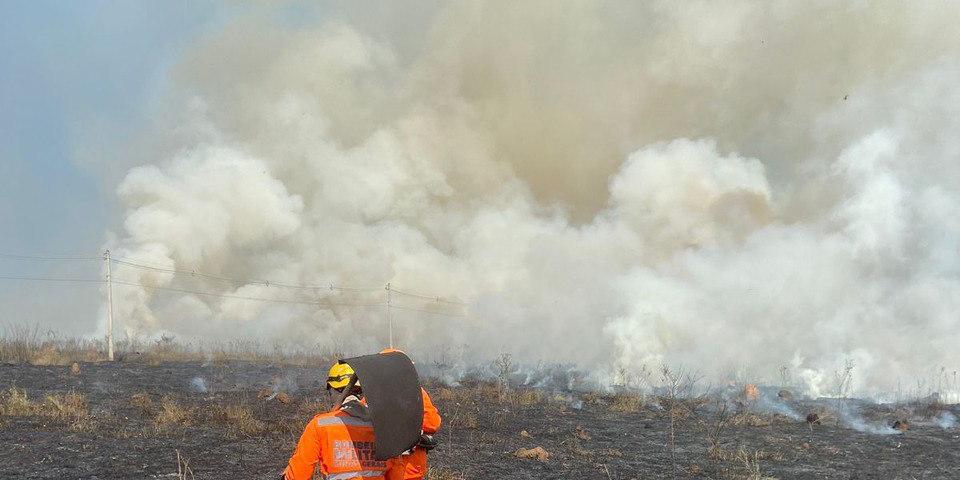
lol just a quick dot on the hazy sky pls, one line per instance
(73, 76)
(78, 81)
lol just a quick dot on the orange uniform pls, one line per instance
(414, 465)
(342, 442)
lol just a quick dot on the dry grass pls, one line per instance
(239, 420)
(144, 403)
(70, 408)
(746, 463)
(626, 403)
(309, 408)
(171, 415)
(184, 472)
(463, 418)
(749, 420)
(526, 397)
(17, 404)
(28, 344)
(440, 472)
(446, 394)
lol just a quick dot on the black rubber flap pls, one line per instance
(392, 389)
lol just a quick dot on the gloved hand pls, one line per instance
(427, 442)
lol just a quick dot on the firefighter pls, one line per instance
(340, 440)
(413, 465)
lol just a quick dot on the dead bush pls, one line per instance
(446, 394)
(16, 403)
(171, 415)
(749, 420)
(528, 397)
(70, 408)
(28, 344)
(537, 453)
(310, 408)
(19, 343)
(240, 420)
(440, 472)
(143, 402)
(464, 419)
(626, 403)
(746, 462)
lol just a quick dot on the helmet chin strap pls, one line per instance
(346, 392)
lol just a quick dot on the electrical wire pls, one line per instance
(266, 283)
(242, 297)
(428, 297)
(411, 309)
(11, 256)
(146, 265)
(51, 279)
(317, 303)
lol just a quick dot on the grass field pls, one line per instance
(167, 411)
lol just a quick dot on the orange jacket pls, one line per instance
(342, 442)
(414, 465)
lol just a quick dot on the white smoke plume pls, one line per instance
(728, 187)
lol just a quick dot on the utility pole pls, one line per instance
(106, 261)
(389, 317)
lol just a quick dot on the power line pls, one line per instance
(235, 281)
(411, 309)
(268, 283)
(51, 279)
(238, 282)
(428, 297)
(317, 303)
(11, 256)
(242, 297)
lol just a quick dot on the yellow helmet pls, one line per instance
(339, 376)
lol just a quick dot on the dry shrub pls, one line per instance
(313, 407)
(626, 403)
(70, 408)
(749, 420)
(27, 344)
(446, 394)
(143, 402)
(592, 398)
(611, 452)
(575, 447)
(464, 419)
(184, 472)
(537, 453)
(240, 420)
(19, 343)
(528, 397)
(171, 415)
(746, 462)
(16, 403)
(440, 472)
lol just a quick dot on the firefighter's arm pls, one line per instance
(305, 457)
(431, 417)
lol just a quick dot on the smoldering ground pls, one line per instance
(727, 187)
(147, 419)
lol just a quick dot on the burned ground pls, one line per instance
(241, 420)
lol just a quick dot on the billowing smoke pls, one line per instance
(728, 187)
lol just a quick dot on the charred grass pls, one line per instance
(152, 417)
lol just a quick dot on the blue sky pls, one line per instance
(72, 74)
